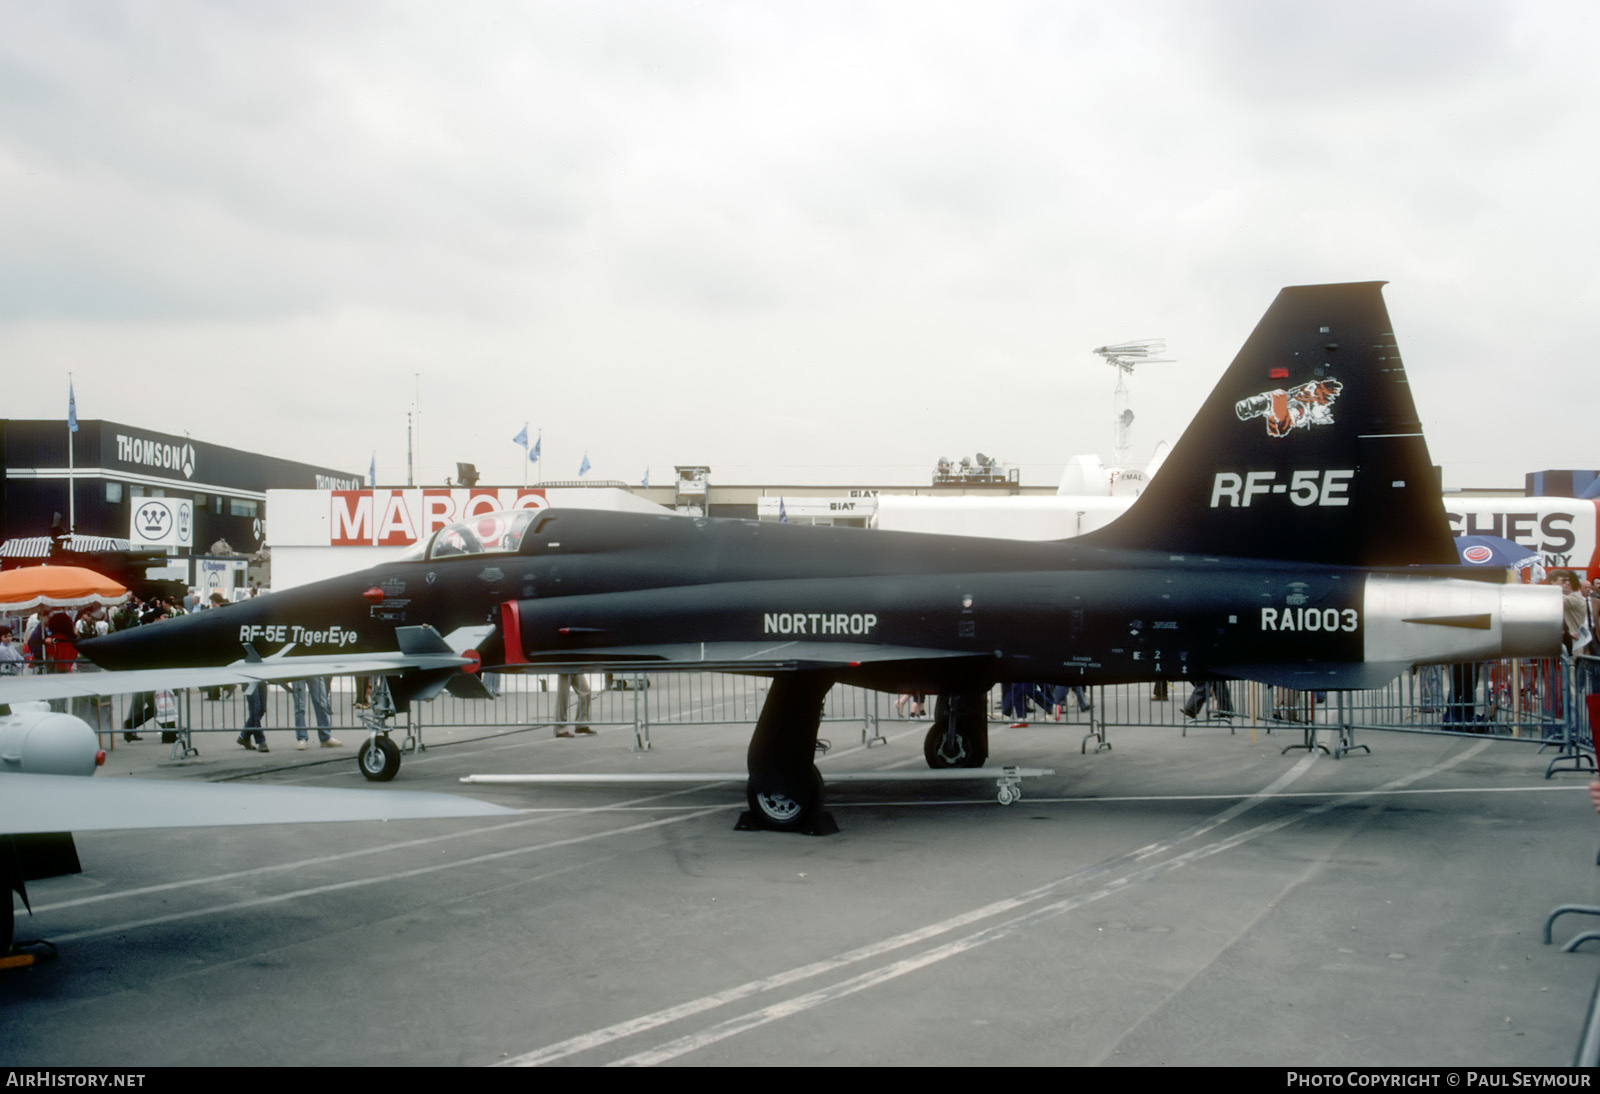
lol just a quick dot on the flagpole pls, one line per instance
(525, 457)
(72, 427)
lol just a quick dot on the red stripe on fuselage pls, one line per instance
(511, 633)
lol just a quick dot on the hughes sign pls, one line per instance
(1562, 530)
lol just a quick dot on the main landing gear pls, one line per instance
(959, 736)
(785, 788)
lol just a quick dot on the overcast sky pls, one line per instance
(793, 241)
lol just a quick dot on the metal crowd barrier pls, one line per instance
(633, 701)
(1539, 702)
(1536, 701)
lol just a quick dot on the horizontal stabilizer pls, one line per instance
(419, 640)
(471, 686)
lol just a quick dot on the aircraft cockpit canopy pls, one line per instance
(499, 533)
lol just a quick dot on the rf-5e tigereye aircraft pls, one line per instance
(1294, 536)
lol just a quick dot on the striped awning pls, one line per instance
(39, 546)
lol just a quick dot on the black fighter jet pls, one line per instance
(1295, 536)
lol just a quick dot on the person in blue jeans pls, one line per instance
(255, 708)
(317, 688)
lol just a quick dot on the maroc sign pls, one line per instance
(398, 518)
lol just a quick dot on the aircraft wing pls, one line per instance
(73, 685)
(732, 657)
(63, 803)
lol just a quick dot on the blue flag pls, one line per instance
(783, 514)
(521, 438)
(372, 472)
(72, 409)
(533, 454)
(584, 469)
(646, 481)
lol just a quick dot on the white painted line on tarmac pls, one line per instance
(732, 1027)
(596, 1038)
(641, 804)
(1397, 793)
(399, 875)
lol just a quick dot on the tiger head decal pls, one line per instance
(1309, 404)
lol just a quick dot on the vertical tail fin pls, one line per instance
(1308, 449)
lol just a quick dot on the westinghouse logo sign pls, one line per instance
(162, 522)
(148, 453)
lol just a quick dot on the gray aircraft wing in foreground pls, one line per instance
(44, 756)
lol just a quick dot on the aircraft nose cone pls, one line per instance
(184, 642)
(109, 651)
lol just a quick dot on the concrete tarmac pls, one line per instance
(1176, 900)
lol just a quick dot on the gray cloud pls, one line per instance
(725, 231)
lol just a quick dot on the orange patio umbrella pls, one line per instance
(56, 587)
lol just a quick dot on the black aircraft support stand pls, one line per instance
(1308, 741)
(785, 788)
(1097, 725)
(1308, 731)
(1346, 741)
(183, 732)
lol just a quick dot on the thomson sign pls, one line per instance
(143, 452)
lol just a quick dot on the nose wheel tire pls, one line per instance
(379, 759)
